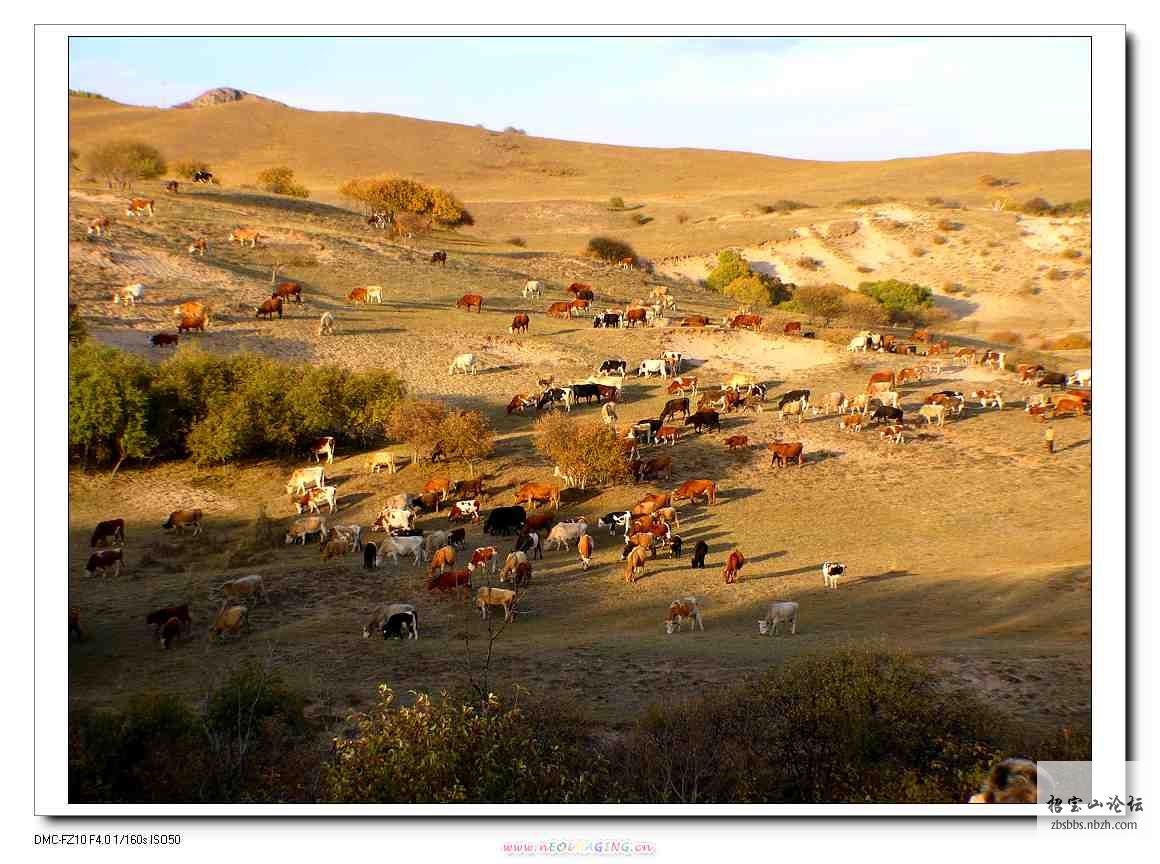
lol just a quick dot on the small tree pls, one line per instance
(615, 203)
(125, 162)
(108, 404)
(187, 168)
(903, 301)
(466, 436)
(821, 301)
(419, 423)
(585, 449)
(609, 249)
(730, 267)
(280, 181)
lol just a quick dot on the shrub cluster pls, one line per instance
(587, 450)
(783, 205)
(609, 249)
(391, 194)
(734, 278)
(280, 181)
(1070, 342)
(431, 428)
(217, 409)
(903, 302)
(1042, 207)
(122, 163)
(186, 168)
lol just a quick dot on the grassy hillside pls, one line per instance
(325, 148)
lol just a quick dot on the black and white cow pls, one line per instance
(401, 621)
(886, 412)
(202, 177)
(614, 367)
(792, 396)
(606, 319)
(613, 521)
(831, 570)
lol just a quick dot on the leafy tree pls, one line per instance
(466, 436)
(280, 181)
(391, 194)
(585, 449)
(608, 249)
(419, 423)
(730, 267)
(903, 301)
(188, 167)
(125, 162)
(821, 301)
(108, 405)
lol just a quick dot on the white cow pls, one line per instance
(130, 295)
(398, 518)
(859, 342)
(314, 498)
(565, 532)
(464, 363)
(653, 367)
(784, 612)
(352, 534)
(1081, 378)
(374, 293)
(304, 478)
(832, 402)
(433, 542)
(393, 547)
(533, 288)
(326, 324)
(934, 413)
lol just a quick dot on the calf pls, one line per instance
(851, 423)
(737, 442)
(159, 617)
(934, 413)
(988, 397)
(685, 609)
(303, 528)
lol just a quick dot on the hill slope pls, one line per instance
(241, 137)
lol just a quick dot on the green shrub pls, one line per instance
(610, 250)
(734, 278)
(902, 301)
(78, 331)
(730, 267)
(280, 181)
(108, 405)
(122, 163)
(439, 751)
(821, 301)
(186, 168)
(615, 203)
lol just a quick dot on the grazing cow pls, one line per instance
(747, 322)
(793, 328)
(505, 520)
(1068, 403)
(105, 560)
(934, 413)
(793, 409)
(577, 307)
(303, 528)
(323, 447)
(465, 363)
(699, 553)
(139, 207)
(695, 321)
(885, 412)
(694, 489)
(785, 452)
(469, 302)
(652, 367)
(198, 247)
(675, 406)
(394, 619)
(644, 430)
(395, 519)
(358, 295)
(229, 621)
(513, 560)
(668, 435)
(850, 423)
(783, 612)
(614, 367)
(98, 226)
(245, 586)
(879, 377)
(179, 520)
(287, 291)
(584, 546)
(109, 529)
(1052, 379)
(537, 493)
(685, 609)
(952, 399)
(737, 442)
(710, 420)
(487, 597)
(484, 557)
(334, 549)
(614, 520)
(519, 324)
(169, 632)
(894, 433)
(645, 540)
(564, 532)
(130, 295)
(160, 340)
(192, 316)
(651, 503)
(831, 570)
(464, 511)
(632, 317)
(661, 466)
(835, 403)
(439, 257)
(634, 563)
(906, 375)
(457, 580)
(533, 288)
(585, 391)
(243, 235)
(383, 458)
(562, 309)
(606, 319)
(395, 546)
(303, 478)
(442, 485)
(686, 384)
(442, 560)
(158, 617)
(522, 402)
(578, 287)
(268, 308)
(733, 565)
(315, 498)
(352, 534)
(988, 397)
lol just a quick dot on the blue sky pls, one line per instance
(825, 98)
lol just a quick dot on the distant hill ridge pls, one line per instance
(221, 95)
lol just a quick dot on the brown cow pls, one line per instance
(110, 529)
(441, 485)
(793, 328)
(159, 340)
(521, 402)
(171, 186)
(179, 520)
(632, 317)
(470, 301)
(735, 442)
(138, 206)
(656, 467)
(578, 306)
(455, 580)
(879, 377)
(1069, 403)
(442, 560)
(746, 322)
(784, 453)
(651, 503)
(634, 563)
(695, 321)
(158, 617)
(519, 325)
(684, 384)
(693, 489)
(675, 406)
(98, 226)
(562, 309)
(104, 560)
(241, 235)
(578, 288)
(539, 521)
(198, 247)
(537, 492)
(733, 565)
(286, 290)
(668, 434)
(357, 295)
(268, 308)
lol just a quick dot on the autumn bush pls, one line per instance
(609, 249)
(393, 194)
(819, 301)
(122, 163)
(186, 168)
(280, 181)
(1070, 342)
(903, 302)
(808, 263)
(587, 450)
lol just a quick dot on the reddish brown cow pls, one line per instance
(519, 325)
(746, 322)
(443, 559)
(695, 321)
(784, 453)
(469, 302)
(104, 560)
(158, 617)
(269, 307)
(674, 407)
(521, 402)
(110, 529)
(561, 309)
(578, 305)
(733, 565)
(534, 493)
(632, 317)
(286, 290)
(357, 295)
(159, 340)
(693, 489)
(138, 206)
(880, 377)
(668, 435)
(793, 328)
(441, 485)
(1069, 403)
(656, 467)
(457, 580)
(577, 288)
(684, 384)
(540, 521)
(734, 442)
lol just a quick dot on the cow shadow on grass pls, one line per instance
(356, 497)
(506, 367)
(884, 576)
(370, 331)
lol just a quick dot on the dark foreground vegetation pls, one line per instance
(853, 726)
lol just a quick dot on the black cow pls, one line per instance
(457, 537)
(550, 397)
(401, 625)
(614, 367)
(370, 553)
(612, 521)
(1052, 379)
(646, 428)
(529, 542)
(606, 319)
(704, 420)
(699, 553)
(505, 520)
(675, 544)
(886, 412)
(587, 392)
(202, 177)
(792, 396)
(439, 257)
